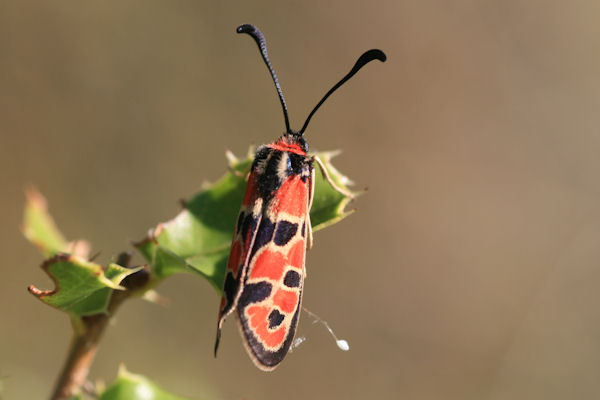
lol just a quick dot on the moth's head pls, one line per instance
(294, 139)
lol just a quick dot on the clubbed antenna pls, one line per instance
(262, 46)
(363, 60)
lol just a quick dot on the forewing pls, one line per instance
(269, 304)
(243, 239)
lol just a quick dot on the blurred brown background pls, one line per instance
(471, 270)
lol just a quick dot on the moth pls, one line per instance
(266, 267)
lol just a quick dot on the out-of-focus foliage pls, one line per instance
(130, 386)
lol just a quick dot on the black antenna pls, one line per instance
(363, 60)
(262, 46)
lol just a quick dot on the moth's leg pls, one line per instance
(329, 180)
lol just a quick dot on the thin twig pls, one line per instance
(87, 332)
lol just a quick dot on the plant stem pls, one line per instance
(84, 345)
(87, 332)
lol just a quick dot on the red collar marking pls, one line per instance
(291, 148)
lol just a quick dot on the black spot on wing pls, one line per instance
(264, 234)
(285, 231)
(255, 292)
(303, 229)
(230, 289)
(248, 224)
(275, 319)
(291, 279)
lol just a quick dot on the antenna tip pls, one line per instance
(245, 28)
(373, 54)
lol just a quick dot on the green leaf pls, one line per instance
(329, 205)
(81, 287)
(39, 228)
(212, 266)
(198, 238)
(130, 386)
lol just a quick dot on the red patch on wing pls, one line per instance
(269, 265)
(292, 197)
(234, 258)
(286, 300)
(296, 254)
(259, 322)
(250, 193)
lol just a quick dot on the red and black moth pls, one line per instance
(265, 272)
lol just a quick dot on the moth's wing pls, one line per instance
(269, 305)
(243, 239)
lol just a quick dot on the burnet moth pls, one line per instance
(265, 272)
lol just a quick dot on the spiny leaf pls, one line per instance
(329, 205)
(40, 229)
(130, 386)
(198, 238)
(81, 287)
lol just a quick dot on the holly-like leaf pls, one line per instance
(39, 228)
(198, 238)
(81, 287)
(329, 205)
(130, 386)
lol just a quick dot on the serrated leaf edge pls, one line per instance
(96, 269)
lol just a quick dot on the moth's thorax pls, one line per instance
(277, 161)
